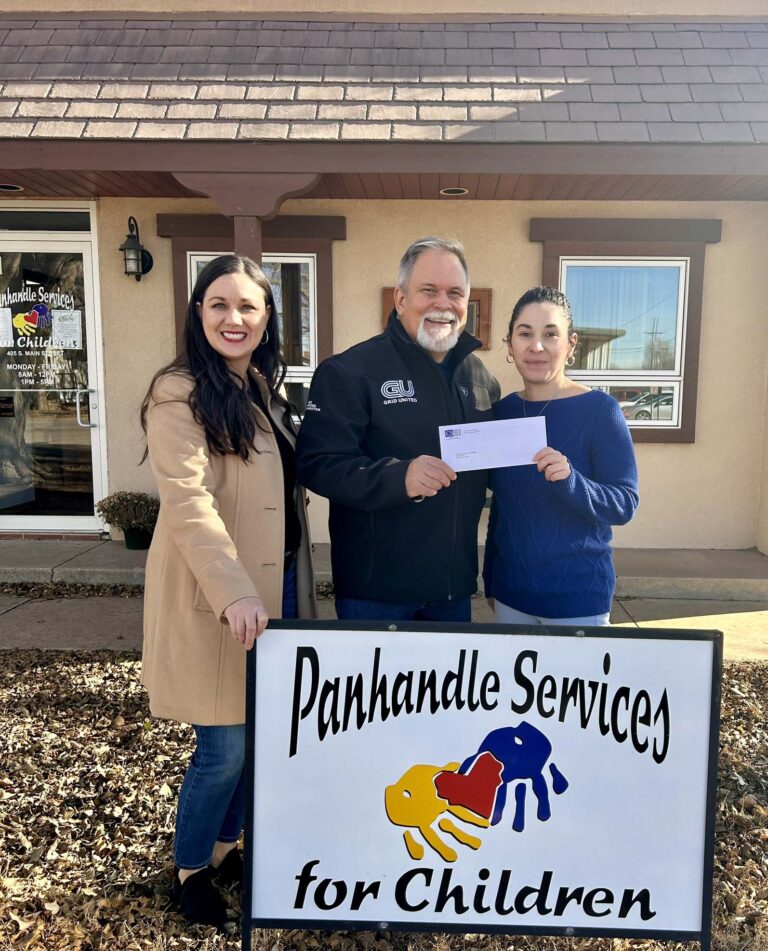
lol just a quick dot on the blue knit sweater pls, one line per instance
(548, 551)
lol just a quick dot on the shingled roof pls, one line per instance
(282, 80)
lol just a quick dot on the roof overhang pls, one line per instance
(338, 157)
(257, 177)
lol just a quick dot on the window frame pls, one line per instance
(285, 234)
(295, 373)
(641, 238)
(662, 379)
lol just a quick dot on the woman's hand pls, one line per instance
(247, 617)
(553, 464)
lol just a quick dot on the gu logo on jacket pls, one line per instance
(398, 391)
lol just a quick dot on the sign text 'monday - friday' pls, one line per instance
(338, 703)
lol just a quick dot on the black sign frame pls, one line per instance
(703, 936)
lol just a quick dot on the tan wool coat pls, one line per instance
(219, 538)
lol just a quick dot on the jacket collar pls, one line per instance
(396, 332)
(275, 410)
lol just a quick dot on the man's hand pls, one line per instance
(247, 617)
(426, 475)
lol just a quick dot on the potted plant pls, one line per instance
(134, 513)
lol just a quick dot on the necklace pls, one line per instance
(525, 415)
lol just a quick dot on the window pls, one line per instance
(629, 314)
(636, 286)
(293, 278)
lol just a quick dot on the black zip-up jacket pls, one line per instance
(371, 411)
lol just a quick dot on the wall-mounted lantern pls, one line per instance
(137, 260)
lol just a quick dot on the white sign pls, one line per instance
(483, 781)
(501, 442)
(6, 327)
(67, 329)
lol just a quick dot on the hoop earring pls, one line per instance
(510, 359)
(570, 361)
(265, 338)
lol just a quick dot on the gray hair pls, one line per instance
(448, 245)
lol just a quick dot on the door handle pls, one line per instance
(78, 394)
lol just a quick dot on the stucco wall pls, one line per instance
(762, 525)
(704, 495)
(575, 8)
(137, 326)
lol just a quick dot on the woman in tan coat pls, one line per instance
(230, 550)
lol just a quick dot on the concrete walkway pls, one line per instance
(725, 591)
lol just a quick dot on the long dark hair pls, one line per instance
(220, 401)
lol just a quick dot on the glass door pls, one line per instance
(50, 430)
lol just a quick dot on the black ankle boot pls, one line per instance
(230, 871)
(198, 899)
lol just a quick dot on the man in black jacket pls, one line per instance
(403, 524)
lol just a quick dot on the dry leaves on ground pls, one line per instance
(88, 785)
(50, 590)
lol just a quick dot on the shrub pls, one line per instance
(129, 510)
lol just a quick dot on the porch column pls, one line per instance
(762, 511)
(248, 198)
(248, 237)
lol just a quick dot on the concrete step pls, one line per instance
(641, 573)
(115, 623)
(691, 574)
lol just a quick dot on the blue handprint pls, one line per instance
(522, 751)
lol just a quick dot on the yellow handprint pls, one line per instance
(24, 325)
(413, 801)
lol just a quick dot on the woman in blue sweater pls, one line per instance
(548, 552)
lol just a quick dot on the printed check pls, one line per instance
(503, 442)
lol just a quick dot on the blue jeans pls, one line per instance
(507, 615)
(212, 796)
(361, 609)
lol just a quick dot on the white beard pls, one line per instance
(440, 338)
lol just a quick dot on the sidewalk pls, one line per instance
(724, 590)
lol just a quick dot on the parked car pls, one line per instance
(636, 401)
(658, 407)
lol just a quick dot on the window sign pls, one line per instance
(630, 318)
(67, 329)
(35, 331)
(464, 780)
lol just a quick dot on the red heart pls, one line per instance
(31, 317)
(475, 789)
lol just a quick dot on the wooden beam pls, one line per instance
(324, 227)
(316, 158)
(248, 237)
(707, 230)
(253, 194)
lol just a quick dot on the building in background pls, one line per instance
(618, 155)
